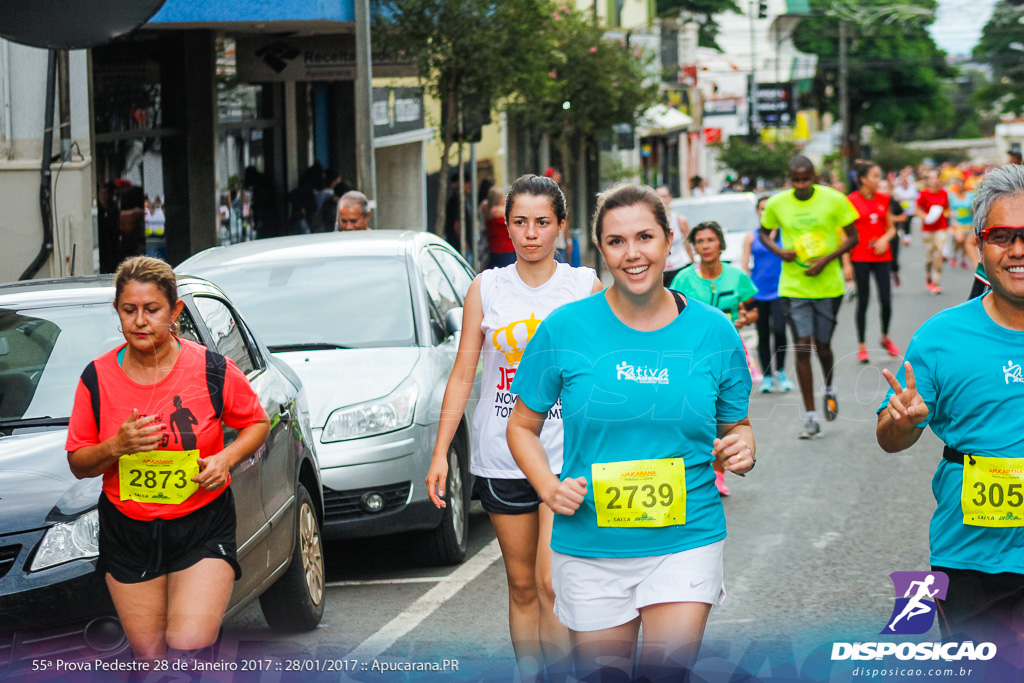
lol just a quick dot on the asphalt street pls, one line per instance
(814, 532)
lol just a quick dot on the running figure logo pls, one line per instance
(914, 612)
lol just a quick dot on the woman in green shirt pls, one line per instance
(714, 283)
(720, 285)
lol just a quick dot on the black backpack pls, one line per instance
(216, 368)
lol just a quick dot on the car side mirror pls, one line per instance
(453, 321)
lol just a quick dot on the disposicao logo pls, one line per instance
(914, 614)
(914, 611)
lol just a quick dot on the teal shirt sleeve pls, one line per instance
(746, 288)
(732, 404)
(538, 380)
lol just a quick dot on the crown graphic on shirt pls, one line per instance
(512, 339)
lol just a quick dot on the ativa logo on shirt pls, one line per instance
(641, 375)
(1012, 373)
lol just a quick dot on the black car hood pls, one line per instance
(36, 484)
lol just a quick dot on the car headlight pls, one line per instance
(394, 411)
(66, 541)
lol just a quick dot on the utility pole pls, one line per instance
(754, 118)
(844, 102)
(366, 168)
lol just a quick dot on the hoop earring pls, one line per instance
(120, 329)
(174, 327)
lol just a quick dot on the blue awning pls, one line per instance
(233, 11)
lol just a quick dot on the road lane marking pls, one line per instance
(409, 619)
(386, 582)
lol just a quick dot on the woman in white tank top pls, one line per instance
(503, 308)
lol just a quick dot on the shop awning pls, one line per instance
(662, 120)
(234, 11)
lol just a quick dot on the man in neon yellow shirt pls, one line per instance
(811, 285)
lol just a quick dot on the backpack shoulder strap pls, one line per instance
(216, 369)
(92, 382)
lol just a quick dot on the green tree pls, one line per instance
(895, 69)
(590, 85)
(467, 51)
(1001, 47)
(760, 160)
(701, 11)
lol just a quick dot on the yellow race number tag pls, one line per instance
(158, 476)
(993, 491)
(810, 245)
(640, 493)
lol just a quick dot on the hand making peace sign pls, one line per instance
(905, 403)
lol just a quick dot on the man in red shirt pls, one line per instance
(933, 210)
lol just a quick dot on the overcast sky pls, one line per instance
(959, 24)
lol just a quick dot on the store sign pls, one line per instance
(397, 110)
(723, 107)
(712, 135)
(268, 59)
(676, 98)
(776, 105)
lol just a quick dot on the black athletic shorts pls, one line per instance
(506, 496)
(133, 551)
(982, 606)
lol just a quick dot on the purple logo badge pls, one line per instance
(914, 612)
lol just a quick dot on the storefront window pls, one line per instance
(129, 135)
(245, 122)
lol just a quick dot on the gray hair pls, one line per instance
(1004, 181)
(354, 197)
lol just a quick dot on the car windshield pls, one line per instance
(733, 216)
(349, 302)
(43, 352)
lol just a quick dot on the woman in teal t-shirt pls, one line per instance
(654, 387)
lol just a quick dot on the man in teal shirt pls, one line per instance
(974, 402)
(809, 218)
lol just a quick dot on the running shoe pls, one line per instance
(907, 240)
(862, 356)
(953, 262)
(831, 406)
(887, 344)
(723, 490)
(767, 385)
(812, 430)
(933, 289)
(783, 381)
(965, 265)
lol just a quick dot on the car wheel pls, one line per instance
(296, 600)
(447, 543)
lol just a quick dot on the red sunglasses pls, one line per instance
(1002, 235)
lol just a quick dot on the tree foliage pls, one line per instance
(895, 69)
(999, 47)
(760, 160)
(467, 51)
(588, 85)
(701, 11)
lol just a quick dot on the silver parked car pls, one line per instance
(736, 212)
(370, 323)
(52, 601)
